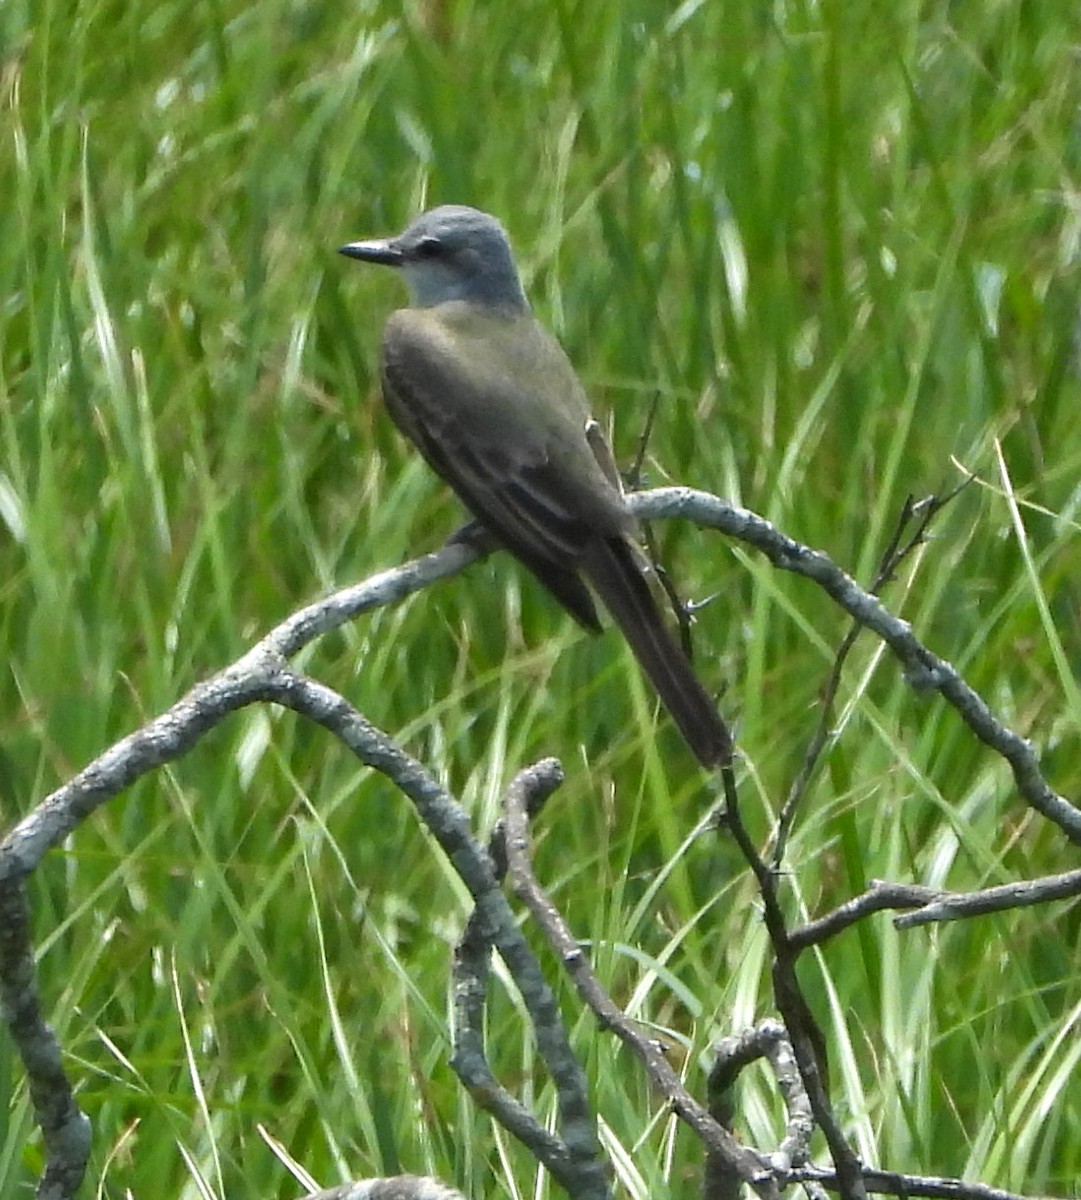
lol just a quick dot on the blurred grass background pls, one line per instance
(840, 243)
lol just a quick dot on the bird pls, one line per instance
(490, 399)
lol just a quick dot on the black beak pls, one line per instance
(378, 251)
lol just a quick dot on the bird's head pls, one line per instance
(450, 253)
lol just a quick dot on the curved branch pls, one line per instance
(173, 733)
(923, 669)
(880, 896)
(264, 675)
(177, 730)
(750, 1166)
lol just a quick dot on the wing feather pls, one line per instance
(526, 468)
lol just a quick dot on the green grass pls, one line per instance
(840, 243)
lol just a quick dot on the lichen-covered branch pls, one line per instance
(923, 669)
(264, 675)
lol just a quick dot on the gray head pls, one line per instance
(451, 253)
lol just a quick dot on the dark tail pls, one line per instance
(611, 568)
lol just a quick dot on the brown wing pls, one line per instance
(523, 466)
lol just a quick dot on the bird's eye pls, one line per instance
(429, 247)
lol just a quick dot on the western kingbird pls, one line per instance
(492, 402)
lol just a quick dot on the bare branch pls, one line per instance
(893, 1183)
(914, 519)
(173, 733)
(808, 1042)
(747, 1163)
(923, 670)
(64, 1127)
(952, 906)
(880, 896)
(176, 731)
(469, 1060)
(579, 1169)
(263, 675)
(768, 1040)
(934, 904)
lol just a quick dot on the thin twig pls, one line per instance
(632, 479)
(808, 1042)
(747, 1163)
(470, 972)
(894, 1183)
(769, 1040)
(633, 476)
(923, 669)
(579, 1169)
(926, 905)
(953, 906)
(897, 550)
(880, 896)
